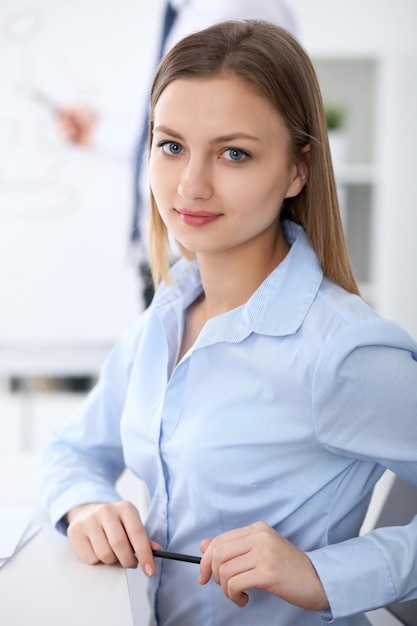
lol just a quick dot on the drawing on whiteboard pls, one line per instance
(22, 25)
(33, 159)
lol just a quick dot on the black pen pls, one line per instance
(176, 557)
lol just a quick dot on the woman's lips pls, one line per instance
(196, 218)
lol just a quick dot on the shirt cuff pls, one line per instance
(354, 575)
(76, 496)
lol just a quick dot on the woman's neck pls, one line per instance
(230, 279)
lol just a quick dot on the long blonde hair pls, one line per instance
(271, 59)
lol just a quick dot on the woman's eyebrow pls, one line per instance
(220, 139)
(233, 137)
(167, 131)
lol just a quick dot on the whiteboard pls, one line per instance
(65, 275)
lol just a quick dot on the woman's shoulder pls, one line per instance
(347, 321)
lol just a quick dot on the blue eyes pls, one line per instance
(173, 148)
(234, 154)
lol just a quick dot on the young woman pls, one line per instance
(259, 397)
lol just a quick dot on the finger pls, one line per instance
(100, 524)
(230, 535)
(235, 588)
(226, 553)
(222, 549)
(98, 528)
(231, 572)
(82, 546)
(138, 538)
(232, 576)
(122, 525)
(206, 562)
(121, 547)
(215, 555)
(102, 547)
(204, 545)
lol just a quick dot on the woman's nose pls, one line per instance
(196, 181)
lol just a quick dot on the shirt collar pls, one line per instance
(279, 305)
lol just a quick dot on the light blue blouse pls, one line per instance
(287, 409)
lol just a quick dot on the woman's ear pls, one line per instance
(300, 169)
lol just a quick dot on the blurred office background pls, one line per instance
(67, 288)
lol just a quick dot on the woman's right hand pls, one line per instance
(111, 533)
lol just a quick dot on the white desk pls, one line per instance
(45, 583)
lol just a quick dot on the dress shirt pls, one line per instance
(286, 409)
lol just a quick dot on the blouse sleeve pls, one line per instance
(365, 407)
(84, 459)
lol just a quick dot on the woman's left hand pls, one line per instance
(257, 557)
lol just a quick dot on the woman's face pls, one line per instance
(220, 165)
